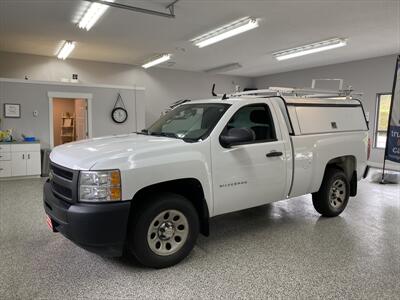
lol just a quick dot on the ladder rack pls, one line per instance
(297, 92)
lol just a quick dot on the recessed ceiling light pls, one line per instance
(66, 49)
(92, 14)
(160, 59)
(310, 48)
(226, 31)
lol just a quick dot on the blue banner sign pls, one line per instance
(393, 138)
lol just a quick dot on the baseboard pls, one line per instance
(19, 177)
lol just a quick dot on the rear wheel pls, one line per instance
(164, 230)
(333, 195)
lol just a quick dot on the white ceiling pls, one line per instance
(120, 36)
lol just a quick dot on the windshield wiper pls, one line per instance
(166, 134)
(190, 140)
(143, 131)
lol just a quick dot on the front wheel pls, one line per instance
(164, 230)
(333, 195)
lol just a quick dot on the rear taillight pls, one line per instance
(369, 148)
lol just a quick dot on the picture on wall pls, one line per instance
(12, 110)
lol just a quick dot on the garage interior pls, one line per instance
(284, 249)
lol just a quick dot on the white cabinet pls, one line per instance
(5, 160)
(5, 168)
(18, 164)
(33, 163)
(4, 148)
(20, 159)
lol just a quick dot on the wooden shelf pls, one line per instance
(67, 128)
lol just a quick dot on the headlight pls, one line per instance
(100, 186)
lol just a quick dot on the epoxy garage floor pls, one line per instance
(280, 250)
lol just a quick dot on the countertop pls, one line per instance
(19, 142)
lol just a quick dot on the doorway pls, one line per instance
(69, 118)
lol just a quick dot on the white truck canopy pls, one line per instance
(313, 111)
(310, 111)
(313, 115)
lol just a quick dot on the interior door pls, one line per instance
(250, 174)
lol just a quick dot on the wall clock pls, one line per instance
(119, 114)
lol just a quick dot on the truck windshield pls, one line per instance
(190, 122)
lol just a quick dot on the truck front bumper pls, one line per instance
(99, 228)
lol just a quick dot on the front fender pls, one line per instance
(189, 160)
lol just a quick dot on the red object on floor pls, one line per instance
(49, 223)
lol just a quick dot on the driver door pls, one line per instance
(248, 175)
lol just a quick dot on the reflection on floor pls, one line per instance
(279, 250)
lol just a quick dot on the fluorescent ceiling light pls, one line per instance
(226, 31)
(157, 61)
(66, 49)
(310, 48)
(224, 68)
(92, 14)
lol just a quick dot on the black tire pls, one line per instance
(333, 195)
(139, 242)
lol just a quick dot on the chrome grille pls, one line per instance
(67, 192)
(62, 173)
(64, 182)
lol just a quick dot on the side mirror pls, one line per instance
(237, 136)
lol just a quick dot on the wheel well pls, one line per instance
(190, 188)
(348, 164)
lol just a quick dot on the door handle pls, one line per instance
(23, 156)
(274, 154)
(29, 156)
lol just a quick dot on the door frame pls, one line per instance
(69, 96)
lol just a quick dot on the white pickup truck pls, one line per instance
(149, 194)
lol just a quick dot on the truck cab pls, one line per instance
(149, 194)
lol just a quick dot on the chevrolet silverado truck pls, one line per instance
(149, 194)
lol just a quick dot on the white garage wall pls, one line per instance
(163, 86)
(34, 96)
(370, 76)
